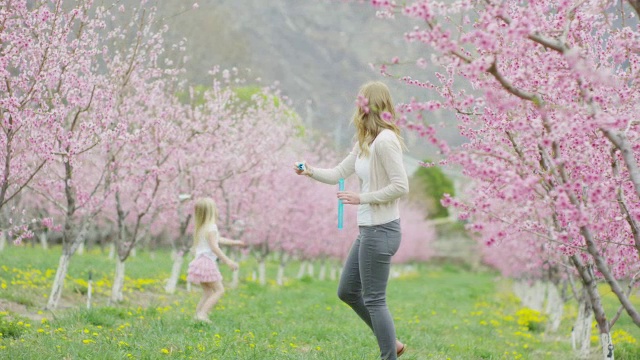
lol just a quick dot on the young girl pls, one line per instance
(203, 269)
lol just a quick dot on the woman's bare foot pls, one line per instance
(400, 347)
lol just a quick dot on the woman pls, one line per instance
(377, 160)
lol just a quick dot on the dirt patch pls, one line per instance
(19, 309)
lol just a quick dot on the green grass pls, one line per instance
(441, 312)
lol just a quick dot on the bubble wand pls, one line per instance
(340, 205)
(302, 167)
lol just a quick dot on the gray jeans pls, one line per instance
(363, 284)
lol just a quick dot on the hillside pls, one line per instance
(318, 51)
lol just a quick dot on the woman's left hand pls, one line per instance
(349, 198)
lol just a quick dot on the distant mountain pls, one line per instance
(318, 51)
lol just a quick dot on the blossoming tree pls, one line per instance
(547, 94)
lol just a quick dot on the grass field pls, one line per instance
(441, 312)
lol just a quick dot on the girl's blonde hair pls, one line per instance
(368, 119)
(205, 213)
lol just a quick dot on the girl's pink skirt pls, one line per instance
(202, 269)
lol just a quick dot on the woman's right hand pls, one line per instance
(306, 171)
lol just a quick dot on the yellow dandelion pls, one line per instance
(621, 336)
(164, 351)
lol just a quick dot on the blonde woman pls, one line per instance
(377, 160)
(203, 269)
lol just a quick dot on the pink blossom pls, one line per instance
(363, 104)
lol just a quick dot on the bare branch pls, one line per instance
(55, 203)
(635, 4)
(493, 70)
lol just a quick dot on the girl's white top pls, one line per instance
(362, 168)
(203, 248)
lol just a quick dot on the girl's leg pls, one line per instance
(211, 301)
(207, 292)
(378, 244)
(350, 287)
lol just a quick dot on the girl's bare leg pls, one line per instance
(218, 291)
(207, 292)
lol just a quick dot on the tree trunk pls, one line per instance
(80, 250)
(303, 268)
(134, 252)
(58, 281)
(537, 296)
(235, 279)
(554, 308)
(581, 332)
(89, 293)
(607, 346)
(531, 295)
(67, 251)
(118, 282)
(333, 273)
(43, 240)
(280, 277)
(323, 271)
(112, 251)
(3, 240)
(395, 272)
(262, 272)
(310, 270)
(175, 274)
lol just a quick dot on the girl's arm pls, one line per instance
(389, 151)
(342, 171)
(212, 238)
(225, 241)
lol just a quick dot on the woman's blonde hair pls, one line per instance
(205, 213)
(368, 119)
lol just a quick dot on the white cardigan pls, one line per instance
(388, 178)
